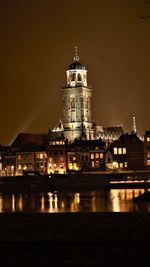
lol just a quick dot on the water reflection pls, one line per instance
(119, 200)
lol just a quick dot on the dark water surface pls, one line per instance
(116, 200)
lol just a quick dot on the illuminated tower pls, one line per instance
(134, 131)
(77, 103)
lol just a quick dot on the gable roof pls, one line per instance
(23, 139)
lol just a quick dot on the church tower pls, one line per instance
(77, 103)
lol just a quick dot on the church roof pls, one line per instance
(59, 127)
(112, 133)
(23, 139)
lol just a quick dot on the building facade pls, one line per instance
(147, 149)
(126, 153)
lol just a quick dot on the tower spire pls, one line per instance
(134, 131)
(76, 57)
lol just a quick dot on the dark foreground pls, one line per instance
(120, 239)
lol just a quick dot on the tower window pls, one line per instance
(79, 77)
(73, 77)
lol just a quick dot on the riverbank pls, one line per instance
(120, 239)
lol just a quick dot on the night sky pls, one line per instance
(37, 40)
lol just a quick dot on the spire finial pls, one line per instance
(76, 57)
(134, 123)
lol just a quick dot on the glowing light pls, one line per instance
(13, 202)
(114, 164)
(20, 204)
(77, 198)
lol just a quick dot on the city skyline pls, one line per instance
(37, 46)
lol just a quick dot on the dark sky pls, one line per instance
(37, 40)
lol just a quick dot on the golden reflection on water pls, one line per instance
(122, 200)
(1, 203)
(116, 200)
(13, 202)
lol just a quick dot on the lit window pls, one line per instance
(148, 154)
(121, 165)
(61, 166)
(101, 155)
(124, 150)
(97, 155)
(117, 165)
(12, 167)
(70, 166)
(55, 165)
(24, 167)
(125, 164)
(0, 166)
(115, 151)
(37, 155)
(50, 165)
(92, 156)
(148, 162)
(19, 167)
(0, 157)
(74, 158)
(119, 150)
(148, 139)
(96, 147)
(41, 155)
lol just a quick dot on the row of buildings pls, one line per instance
(76, 143)
(38, 152)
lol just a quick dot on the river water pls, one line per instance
(115, 200)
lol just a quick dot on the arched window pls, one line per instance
(73, 77)
(79, 77)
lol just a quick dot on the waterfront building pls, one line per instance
(7, 161)
(147, 149)
(3, 150)
(126, 153)
(56, 153)
(86, 155)
(31, 158)
(30, 152)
